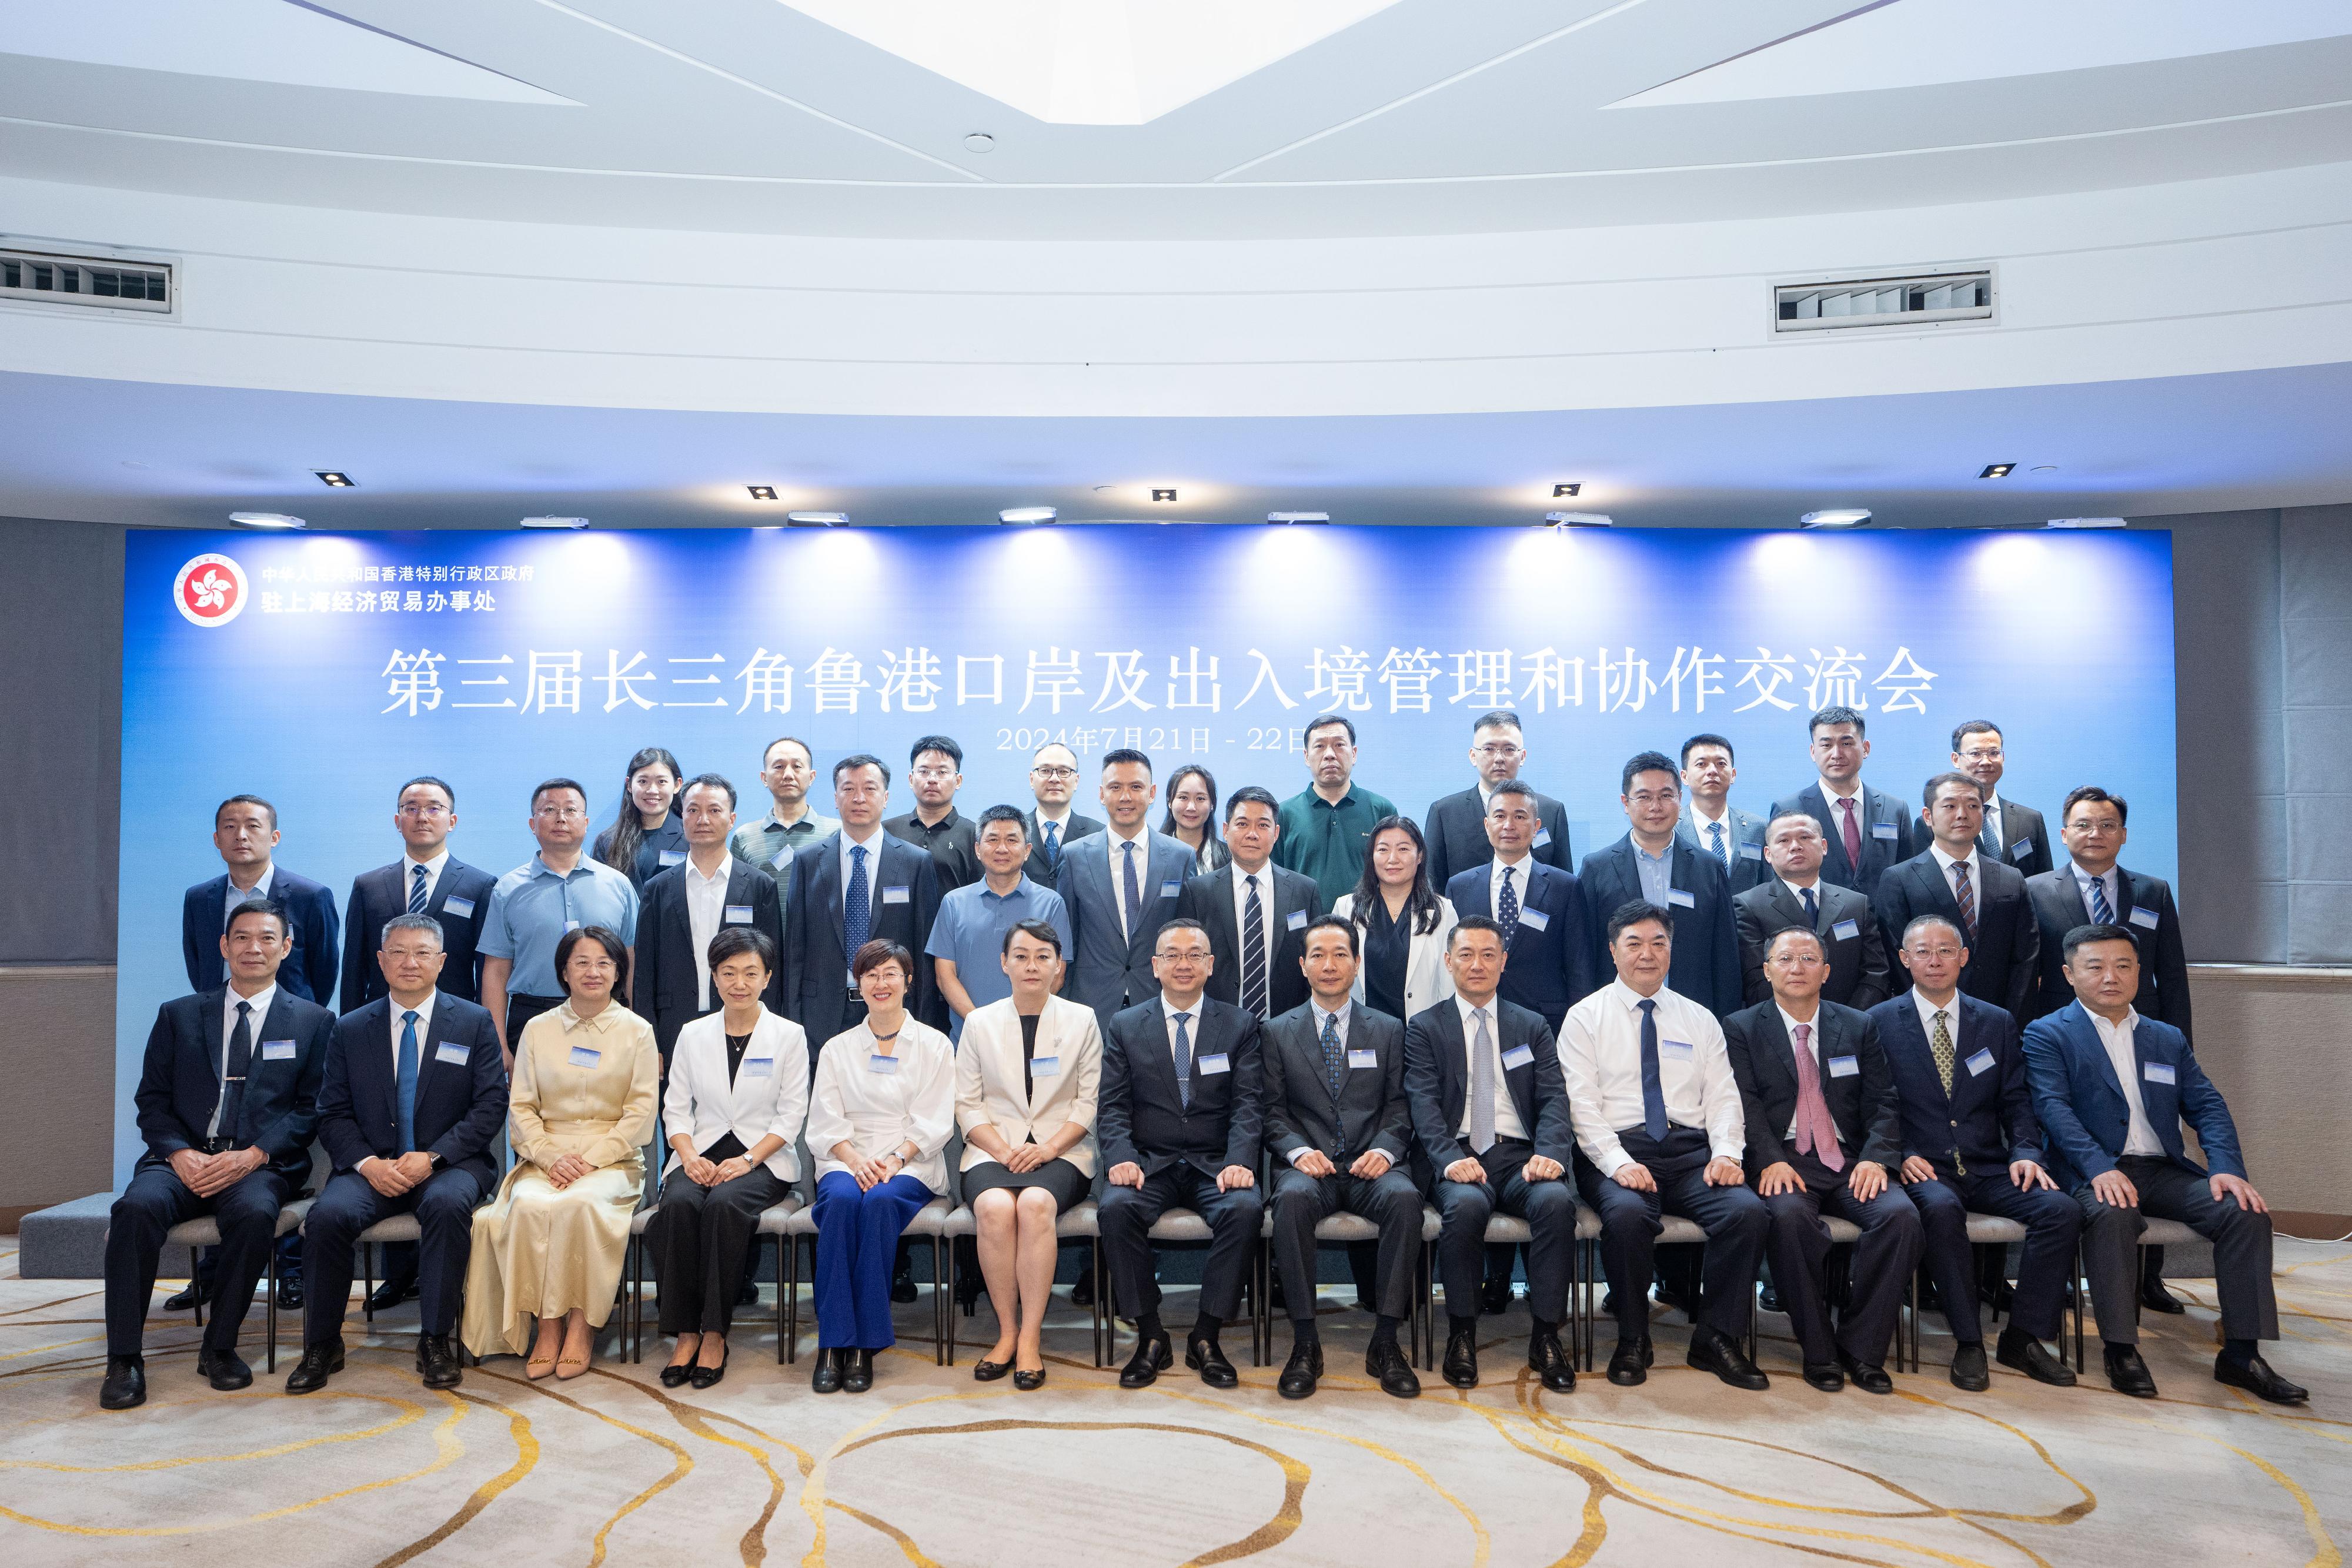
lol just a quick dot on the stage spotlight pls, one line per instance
(333, 480)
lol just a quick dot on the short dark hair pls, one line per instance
(1835, 715)
(1773, 941)
(2096, 932)
(268, 906)
(1780, 817)
(245, 800)
(1037, 930)
(768, 749)
(878, 952)
(1705, 739)
(547, 784)
(1974, 726)
(1510, 786)
(1248, 794)
(1649, 762)
(414, 923)
(1335, 923)
(1474, 923)
(709, 781)
(857, 760)
(1945, 920)
(1633, 914)
(604, 936)
(1122, 756)
(2082, 792)
(1181, 922)
(943, 744)
(1497, 718)
(440, 784)
(1326, 720)
(733, 941)
(1001, 813)
(1936, 784)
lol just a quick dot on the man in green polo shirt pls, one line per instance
(1327, 826)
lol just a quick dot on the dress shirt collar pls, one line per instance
(409, 865)
(1700, 822)
(583, 866)
(1662, 857)
(871, 841)
(1832, 794)
(597, 1025)
(423, 1011)
(2107, 881)
(1321, 1013)
(694, 877)
(1141, 840)
(1792, 1024)
(235, 896)
(1263, 876)
(1526, 858)
(1629, 998)
(1797, 890)
(1946, 861)
(261, 1000)
(1493, 1009)
(1927, 1011)
(1167, 1010)
(2109, 1032)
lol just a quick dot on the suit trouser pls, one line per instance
(1464, 1206)
(1734, 1218)
(1127, 1213)
(1389, 1200)
(1883, 1261)
(857, 1238)
(2240, 1239)
(443, 1205)
(2052, 1221)
(700, 1237)
(156, 1200)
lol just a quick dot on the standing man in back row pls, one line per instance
(1054, 825)
(559, 889)
(1327, 826)
(2014, 835)
(1121, 887)
(935, 772)
(787, 768)
(1652, 864)
(1456, 831)
(1734, 837)
(1868, 830)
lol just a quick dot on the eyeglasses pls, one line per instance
(1501, 752)
(931, 773)
(424, 811)
(1044, 772)
(563, 814)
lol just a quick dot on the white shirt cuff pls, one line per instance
(1300, 1153)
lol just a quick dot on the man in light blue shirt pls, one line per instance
(968, 935)
(557, 889)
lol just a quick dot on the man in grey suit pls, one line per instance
(1868, 831)
(1734, 837)
(1337, 1122)
(2014, 835)
(1457, 828)
(1795, 894)
(1121, 887)
(1054, 825)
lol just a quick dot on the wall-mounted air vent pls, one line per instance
(1857, 302)
(100, 283)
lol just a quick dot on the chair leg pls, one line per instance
(272, 1316)
(1105, 1348)
(939, 1303)
(367, 1283)
(952, 1314)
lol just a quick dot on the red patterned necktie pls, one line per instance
(1850, 832)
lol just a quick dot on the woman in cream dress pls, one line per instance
(550, 1246)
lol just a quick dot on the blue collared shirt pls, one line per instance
(533, 905)
(1657, 872)
(969, 932)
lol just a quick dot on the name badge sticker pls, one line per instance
(571, 925)
(783, 858)
(1543, 837)
(1534, 919)
(1681, 899)
(877, 1062)
(1045, 1067)
(1980, 1063)
(1679, 1049)
(1751, 852)
(277, 1051)
(1846, 930)
(1844, 1066)
(463, 908)
(1210, 1066)
(738, 914)
(1361, 1059)
(453, 1053)
(897, 895)
(673, 857)
(2021, 849)
(1171, 888)
(586, 1056)
(1296, 920)
(2158, 1073)
(759, 1066)
(1884, 830)
(1518, 1056)
(2143, 918)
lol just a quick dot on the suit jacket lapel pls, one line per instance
(1916, 1041)
(1220, 916)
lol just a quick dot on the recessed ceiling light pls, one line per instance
(1298, 517)
(1104, 489)
(817, 520)
(1558, 491)
(555, 522)
(1837, 518)
(761, 492)
(333, 480)
(265, 520)
(1997, 470)
(1027, 515)
(2085, 523)
(2045, 468)
(979, 141)
(1580, 519)
(1163, 495)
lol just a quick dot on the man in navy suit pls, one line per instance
(1256, 913)
(2014, 835)
(425, 880)
(1053, 825)
(1954, 878)
(1796, 894)
(1180, 1119)
(1121, 887)
(245, 830)
(1970, 1144)
(1544, 917)
(1651, 865)
(414, 1095)
(228, 1101)
(689, 903)
(1714, 825)
(1456, 826)
(846, 890)
(1868, 830)
(2112, 1087)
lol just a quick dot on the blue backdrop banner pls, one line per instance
(320, 671)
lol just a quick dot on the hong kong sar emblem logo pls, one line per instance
(210, 590)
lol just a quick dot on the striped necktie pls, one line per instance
(416, 893)
(1964, 894)
(2101, 910)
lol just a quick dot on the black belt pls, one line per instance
(217, 1145)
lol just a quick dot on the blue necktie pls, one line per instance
(1654, 1092)
(856, 905)
(1722, 850)
(1812, 910)
(1335, 1058)
(1054, 843)
(406, 1082)
(1184, 1059)
(1134, 894)
(2101, 910)
(416, 893)
(1507, 909)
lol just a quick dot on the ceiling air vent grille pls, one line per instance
(92, 282)
(1858, 302)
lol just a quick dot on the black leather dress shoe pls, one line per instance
(902, 1285)
(289, 1292)
(2128, 1374)
(225, 1369)
(1082, 1294)
(1495, 1296)
(1629, 1363)
(2256, 1378)
(1029, 1382)
(747, 1294)
(320, 1362)
(1546, 1358)
(709, 1377)
(437, 1361)
(2156, 1299)
(1828, 1379)
(2022, 1352)
(1711, 1350)
(392, 1293)
(1299, 1373)
(986, 1371)
(858, 1376)
(1969, 1371)
(187, 1297)
(1461, 1364)
(1151, 1358)
(125, 1384)
(1863, 1375)
(1386, 1363)
(1207, 1357)
(825, 1376)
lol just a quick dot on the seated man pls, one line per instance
(1970, 1142)
(228, 1100)
(1825, 1132)
(1490, 1117)
(413, 1097)
(2113, 1088)
(1179, 1118)
(1335, 1114)
(1657, 1109)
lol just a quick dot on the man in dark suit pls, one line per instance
(1338, 1127)
(1119, 885)
(1825, 1132)
(1651, 866)
(1867, 830)
(1053, 825)
(1712, 824)
(245, 830)
(1981, 896)
(1180, 1115)
(1457, 824)
(1256, 913)
(846, 890)
(228, 1100)
(1492, 1134)
(2014, 835)
(1541, 911)
(935, 772)
(688, 904)
(2112, 1087)
(425, 880)
(413, 1096)
(1971, 1145)
(1796, 894)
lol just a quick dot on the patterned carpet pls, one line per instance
(932, 1467)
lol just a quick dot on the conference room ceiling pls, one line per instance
(1169, 119)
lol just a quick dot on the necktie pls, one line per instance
(2101, 910)
(416, 893)
(1850, 834)
(1334, 1057)
(406, 1083)
(1654, 1092)
(1254, 953)
(1134, 892)
(1482, 1087)
(1507, 909)
(1964, 894)
(1054, 843)
(1184, 1059)
(231, 1114)
(1816, 1134)
(1990, 835)
(1813, 908)
(1940, 1042)
(856, 905)
(1722, 851)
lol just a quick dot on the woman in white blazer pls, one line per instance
(737, 1092)
(880, 1111)
(1026, 1079)
(1404, 924)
